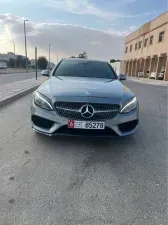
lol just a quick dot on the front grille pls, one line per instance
(71, 110)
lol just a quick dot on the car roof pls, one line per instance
(85, 60)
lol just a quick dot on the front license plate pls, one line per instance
(86, 125)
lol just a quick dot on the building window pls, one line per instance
(126, 49)
(145, 42)
(151, 40)
(136, 45)
(140, 43)
(161, 36)
(130, 48)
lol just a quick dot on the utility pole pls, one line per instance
(14, 53)
(36, 60)
(25, 43)
(49, 56)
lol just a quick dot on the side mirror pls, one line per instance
(45, 73)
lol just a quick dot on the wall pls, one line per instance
(160, 20)
(151, 28)
(162, 47)
(132, 36)
(117, 67)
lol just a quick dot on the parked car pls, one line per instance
(122, 77)
(3, 66)
(153, 75)
(140, 74)
(161, 75)
(84, 97)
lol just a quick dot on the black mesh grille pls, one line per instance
(126, 127)
(42, 122)
(82, 132)
(64, 109)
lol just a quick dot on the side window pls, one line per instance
(130, 48)
(126, 49)
(140, 44)
(145, 42)
(161, 36)
(136, 45)
(151, 40)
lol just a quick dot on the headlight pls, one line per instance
(129, 106)
(42, 101)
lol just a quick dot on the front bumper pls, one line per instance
(49, 123)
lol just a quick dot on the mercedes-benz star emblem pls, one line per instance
(87, 111)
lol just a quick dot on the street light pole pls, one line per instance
(25, 43)
(49, 56)
(14, 53)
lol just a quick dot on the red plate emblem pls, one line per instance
(71, 124)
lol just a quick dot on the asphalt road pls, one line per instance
(8, 78)
(82, 181)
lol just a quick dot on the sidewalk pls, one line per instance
(17, 70)
(11, 91)
(149, 81)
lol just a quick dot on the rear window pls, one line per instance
(82, 68)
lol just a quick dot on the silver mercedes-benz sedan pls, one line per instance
(84, 97)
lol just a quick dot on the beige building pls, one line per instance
(146, 49)
(6, 57)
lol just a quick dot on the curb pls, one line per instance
(17, 95)
(18, 72)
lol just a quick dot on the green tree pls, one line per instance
(21, 61)
(83, 55)
(72, 57)
(113, 60)
(11, 63)
(42, 62)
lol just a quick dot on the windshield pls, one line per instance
(82, 68)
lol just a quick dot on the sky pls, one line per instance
(73, 26)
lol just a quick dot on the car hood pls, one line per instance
(69, 87)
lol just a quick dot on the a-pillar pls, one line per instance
(166, 70)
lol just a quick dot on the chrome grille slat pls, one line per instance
(72, 110)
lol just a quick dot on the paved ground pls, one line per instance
(79, 181)
(149, 81)
(8, 78)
